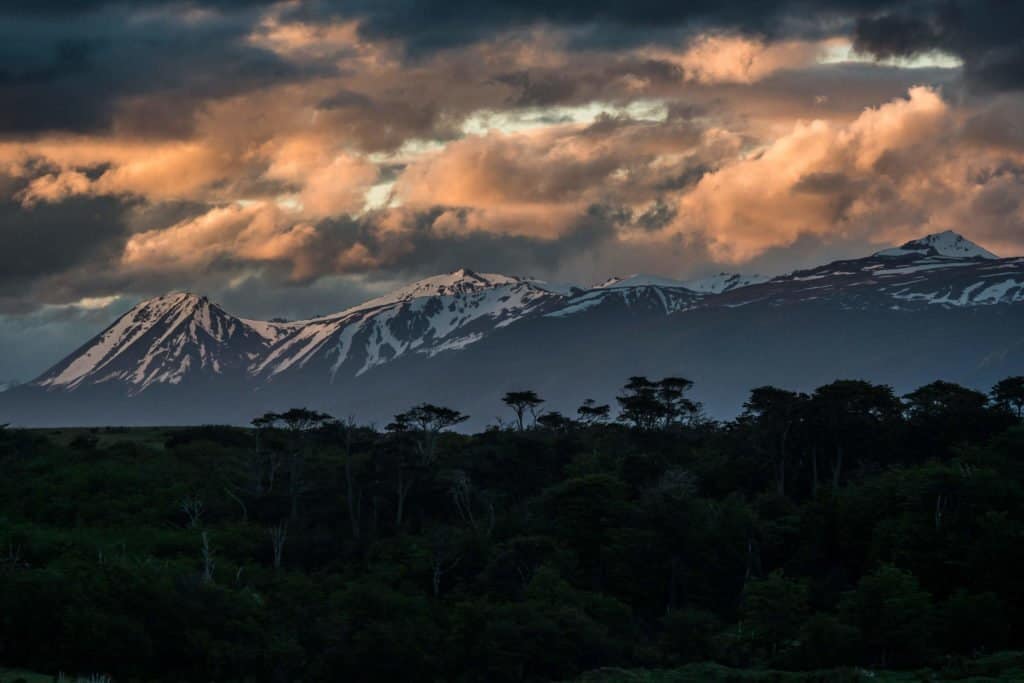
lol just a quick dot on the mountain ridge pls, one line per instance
(524, 331)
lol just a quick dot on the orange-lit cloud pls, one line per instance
(898, 170)
(722, 146)
(256, 232)
(714, 58)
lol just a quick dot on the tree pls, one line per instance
(943, 400)
(639, 403)
(647, 404)
(847, 412)
(522, 402)
(296, 425)
(676, 407)
(941, 415)
(426, 422)
(422, 423)
(591, 413)
(1009, 393)
(773, 609)
(775, 412)
(555, 422)
(353, 498)
(893, 614)
(278, 535)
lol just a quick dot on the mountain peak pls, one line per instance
(948, 244)
(639, 280)
(161, 341)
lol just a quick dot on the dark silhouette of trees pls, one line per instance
(555, 422)
(648, 404)
(296, 425)
(942, 415)
(1009, 393)
(848, 415)
(521, 403)
(776, 414)
(422, 424)
(590, 412)
(573, 551)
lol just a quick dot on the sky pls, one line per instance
(293, 158)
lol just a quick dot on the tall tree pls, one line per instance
(640, 403)
(1009, 393)
(775, 414)
(942, 415)
(423, 424)
(521, 403)
(676, 406)
(648, 404)
(848, 411)
(590, 412)
(296, 425)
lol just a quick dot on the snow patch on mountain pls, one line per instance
(640, 280)
(724, 282)
(429, 316)
(158, 341)
(948, 244)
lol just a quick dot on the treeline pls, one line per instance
(844, 527)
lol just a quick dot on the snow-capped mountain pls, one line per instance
(650, 293)
(939, 306)
(946, 244)
(441, 313)
(944, 269)
(165, 340)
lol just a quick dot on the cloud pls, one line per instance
(201, 145)
(984, 33)
(255, 233)
(712, 58)
(896, 171)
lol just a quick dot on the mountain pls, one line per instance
(646, 292)
(936, 307)
(724, 282)
(946, 244)
(166, 340)
(442, 313)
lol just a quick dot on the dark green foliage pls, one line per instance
(844, 528)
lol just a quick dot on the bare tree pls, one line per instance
(444, 555)
(278, 535)
(12, 559)
(241, 503)
(192, 506)
(354, 497)
(464, 495)
(208, 560)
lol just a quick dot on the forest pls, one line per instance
(848, 533)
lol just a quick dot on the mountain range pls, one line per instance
(940, 307)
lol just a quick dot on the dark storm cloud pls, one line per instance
(986, 34)
(78, 66)
(49, 239)
(75, 68)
